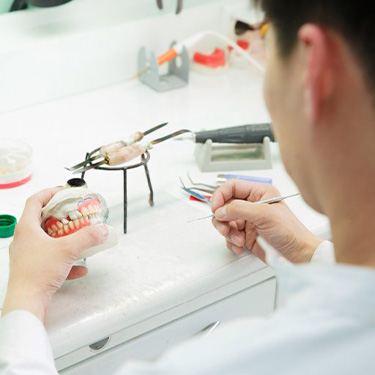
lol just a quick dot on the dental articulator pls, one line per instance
(74, 208)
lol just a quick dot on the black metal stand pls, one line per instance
(145, 158)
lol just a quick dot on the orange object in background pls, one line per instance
(167, 56)
(264, 30)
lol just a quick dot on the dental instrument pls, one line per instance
(243, 134)
(121, 152)
(223, 177)
(135, 137)
(262, 201)
(194, 194)
(197, 195)
(206, 187)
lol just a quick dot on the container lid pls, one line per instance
(7, 225)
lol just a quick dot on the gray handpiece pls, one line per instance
(254, 133)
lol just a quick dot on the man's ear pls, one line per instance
(318, 60)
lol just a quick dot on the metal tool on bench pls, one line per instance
(272, 200)
(120, 152)
(192, 191)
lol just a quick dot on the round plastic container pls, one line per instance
(15, 163)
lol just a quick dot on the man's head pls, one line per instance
(320, 90)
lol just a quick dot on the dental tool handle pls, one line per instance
(117, 146)
(125, 154)
(254, 133)
(257, 179)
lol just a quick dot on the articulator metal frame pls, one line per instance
(145, 158)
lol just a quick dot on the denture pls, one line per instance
(73, 208)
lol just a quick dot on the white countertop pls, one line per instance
(163, 261)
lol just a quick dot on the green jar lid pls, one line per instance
(7, 225)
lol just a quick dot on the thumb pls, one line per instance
(242, 210)
(85, 238)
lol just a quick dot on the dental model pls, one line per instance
(73, 208)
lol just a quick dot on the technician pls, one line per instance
(320, 91)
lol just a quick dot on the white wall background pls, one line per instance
(86, 44)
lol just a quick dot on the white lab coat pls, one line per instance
(326, 326)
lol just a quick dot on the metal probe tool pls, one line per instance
(263, 201)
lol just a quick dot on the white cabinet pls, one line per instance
(254, 301)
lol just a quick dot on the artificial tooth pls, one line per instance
(66, 228)
(60, 232)
(59, 225)
(49, 231)
(65, 221)
(54, 228)
(71, 225)
(73, 215)
(76, 223)
(79, 214)
(85, 211)
(82, 220)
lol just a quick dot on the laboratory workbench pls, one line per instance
(167, 279)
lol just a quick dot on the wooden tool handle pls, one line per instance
(117, 146)
(125, 154)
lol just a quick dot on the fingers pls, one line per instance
(256, 250)
(235, 249)
(259, 252)
(34, 205)
(232, 232)
(242, 210)
(84, 239)
(231, 189)
(239, 189)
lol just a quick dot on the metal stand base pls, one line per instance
(145, 158)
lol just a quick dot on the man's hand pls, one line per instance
(39, 264)
(240, 221)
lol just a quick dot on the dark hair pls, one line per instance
(353, 19)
